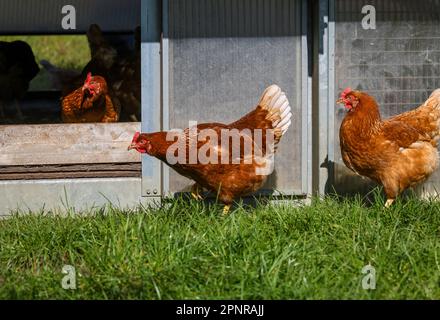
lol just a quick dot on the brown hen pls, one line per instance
(398, 152)
(89, 103)
(230, 160)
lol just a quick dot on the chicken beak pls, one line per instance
(131, 147)
(340, 101)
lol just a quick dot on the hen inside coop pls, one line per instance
(89, 72)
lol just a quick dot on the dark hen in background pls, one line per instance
(17, 69)
(128, 89)
(121, 68)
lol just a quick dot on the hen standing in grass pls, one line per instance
(245, 169)
(89, 103)
(398, 152)
(17, 69)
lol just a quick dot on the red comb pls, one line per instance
(345, 92)
(136, 136)
(89, 78)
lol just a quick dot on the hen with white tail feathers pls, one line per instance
(232, 170)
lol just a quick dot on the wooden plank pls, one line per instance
(111, 170)
(136, 166)
(69, 175)
(67, 144)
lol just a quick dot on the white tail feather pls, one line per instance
(279, 111)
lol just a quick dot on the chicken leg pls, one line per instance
(195, 192)
(226, 209)
(389, 203)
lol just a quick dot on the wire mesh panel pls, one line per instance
(222, 55)
(398, 62)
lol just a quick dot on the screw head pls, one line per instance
(155, 191)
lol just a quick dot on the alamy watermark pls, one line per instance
(369, 280)
(68, 22)
(69, 280)
(369, 20)
(232, 146)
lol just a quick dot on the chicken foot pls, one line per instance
(195, 192)
(389, 203)
(226, 209)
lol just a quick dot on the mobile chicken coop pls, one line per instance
(46, 163)
(201, 60)
(210, 60)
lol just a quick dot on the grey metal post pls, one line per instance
(306, 159)
(165, 90)
(151, 91)
(323, 106)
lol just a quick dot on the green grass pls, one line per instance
(68, 52)
(71, 52)
(190, 251)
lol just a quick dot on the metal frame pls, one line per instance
(306, 96)
(60, 195)
(331, 130)
(151, 92)
(324, 78)
(165, 91)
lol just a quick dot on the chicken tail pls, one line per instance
(425, 119)
(432, 105)
(434, 100)
(275, 103)
(273, 112)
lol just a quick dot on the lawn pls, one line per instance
(66, 51)
(189, 250)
